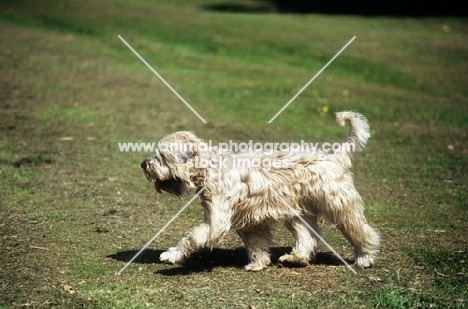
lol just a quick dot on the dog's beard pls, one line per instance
(173, 186)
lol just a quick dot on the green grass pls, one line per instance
(447, 268)
(74, 209)
(395, 294)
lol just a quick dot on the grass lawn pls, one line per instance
(74, 209)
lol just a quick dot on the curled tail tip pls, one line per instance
(359, 131)
(341, 117)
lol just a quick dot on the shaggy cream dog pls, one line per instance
(250, 199)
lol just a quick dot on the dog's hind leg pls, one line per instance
(363, 238)
(257, 241)
(306, 241)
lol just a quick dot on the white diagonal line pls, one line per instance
(162, 79)
(297, 214)
(310, 81)
(161, 230)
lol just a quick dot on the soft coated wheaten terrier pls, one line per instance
(250, 199)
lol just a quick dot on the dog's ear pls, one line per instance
(187, 151)
(177, 152)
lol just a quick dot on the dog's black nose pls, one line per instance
(143, 165)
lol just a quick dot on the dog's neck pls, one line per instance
(198, 172)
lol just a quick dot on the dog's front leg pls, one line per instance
(217, 224)
(194, 241)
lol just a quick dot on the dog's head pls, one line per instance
(169, 168)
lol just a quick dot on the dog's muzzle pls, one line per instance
(144, 166)
(156, 181)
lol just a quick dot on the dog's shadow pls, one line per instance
(207, 260)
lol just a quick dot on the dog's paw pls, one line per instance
(172, 256)
(364, 261)
(254, 267)
(291, 260)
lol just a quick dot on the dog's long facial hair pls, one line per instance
(245, 198)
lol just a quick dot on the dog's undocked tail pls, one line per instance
(358, 131)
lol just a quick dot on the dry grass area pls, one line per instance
(74, 209)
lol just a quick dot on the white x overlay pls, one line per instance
(311, 80)
(162, 79)
(297, 214)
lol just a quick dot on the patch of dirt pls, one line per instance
(31, 267)
(31, 272)
(32, 160)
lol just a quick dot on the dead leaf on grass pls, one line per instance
(109, 212)
(101, 230)
(38, 248)
(374, 279)
(69, 289)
